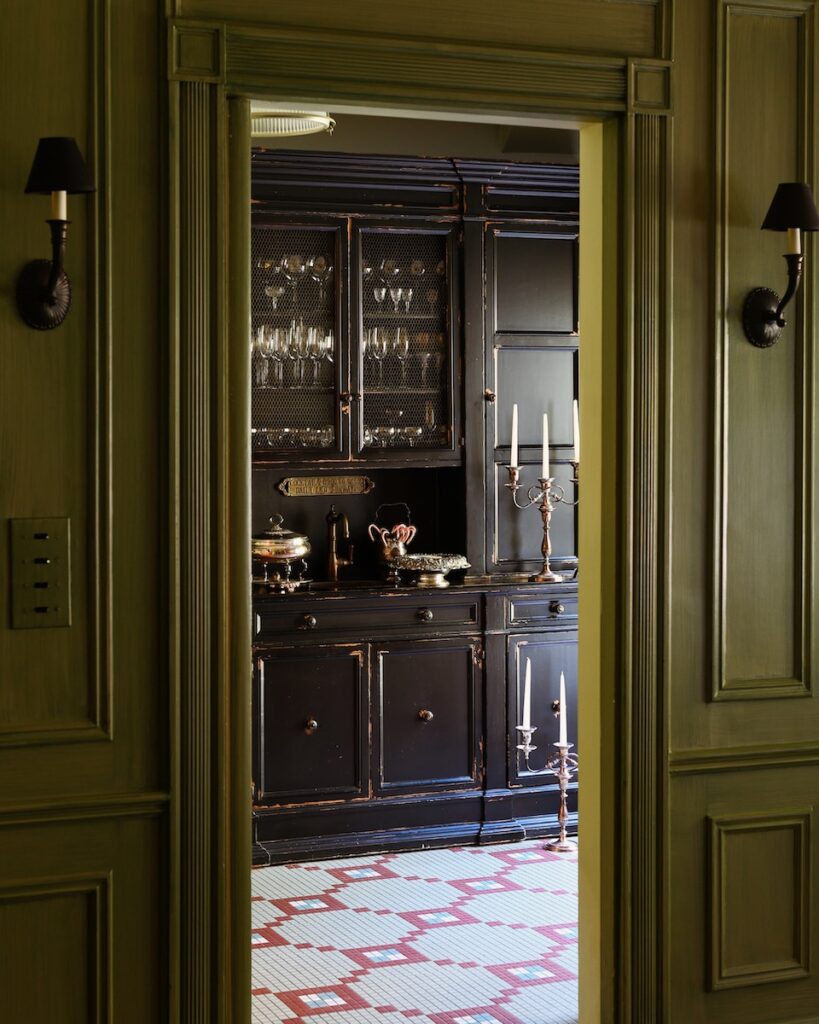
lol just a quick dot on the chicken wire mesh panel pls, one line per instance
(294, 338)
(404, 340)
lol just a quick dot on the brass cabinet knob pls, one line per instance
(489, 395)
(346, 398)
(310, 726)
(556, 608)
(309, 621)
(425, 716)
(425, 614)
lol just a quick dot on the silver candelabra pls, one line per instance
(546, 495)
(562, 764)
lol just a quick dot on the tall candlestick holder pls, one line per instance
(562, 764)
(546, 495)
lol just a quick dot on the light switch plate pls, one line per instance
(40, 573)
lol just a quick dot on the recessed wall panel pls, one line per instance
(762, 578)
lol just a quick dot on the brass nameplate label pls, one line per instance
(307, 486)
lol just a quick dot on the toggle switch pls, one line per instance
(40, 573)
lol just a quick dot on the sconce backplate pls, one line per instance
(759, 317)
(37, 308)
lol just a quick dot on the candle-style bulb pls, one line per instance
(794, 242)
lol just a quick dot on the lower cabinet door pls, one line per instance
(309, 724)
(427, 706)
(550, 654)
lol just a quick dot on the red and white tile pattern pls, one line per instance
(472, 935)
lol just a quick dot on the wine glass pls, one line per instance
(314, 351)
(390, 270)
(379, 294)
(321, 270)
(400, 348)
(396, 294)
(259, 350)
(294, 267)
(277, 350)
(407, 296)
(378, 350)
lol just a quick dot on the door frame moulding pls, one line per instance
(213, 68)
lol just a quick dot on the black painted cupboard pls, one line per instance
(399, 309)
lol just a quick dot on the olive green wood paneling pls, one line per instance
(767, 855)
(763, 519)
(643, 466)
(620, 27)
(71, 702)
(82, 936)
(742, 904)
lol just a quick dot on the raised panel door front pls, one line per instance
(427, 701)
(309, 724)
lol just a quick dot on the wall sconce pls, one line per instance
(792, 210)
(43, 288)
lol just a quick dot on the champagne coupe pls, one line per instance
(379, 294)
(274, 293)
(321, 270)
(393, 433)
(294, 267)
(400, 348)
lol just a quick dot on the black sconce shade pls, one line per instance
(792, 207)
(59, 167)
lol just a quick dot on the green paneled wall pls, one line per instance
(87, 714)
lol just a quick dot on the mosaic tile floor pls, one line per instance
(472, 935)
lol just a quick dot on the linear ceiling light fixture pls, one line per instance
(792, 210)
(281, 124)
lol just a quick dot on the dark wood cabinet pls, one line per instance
(427, 710)
(310, 724)
(384, 718)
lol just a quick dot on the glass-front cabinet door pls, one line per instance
(298, 349)
(405, 324)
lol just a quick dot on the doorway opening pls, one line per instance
(412, 430)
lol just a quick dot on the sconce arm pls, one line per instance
(794, 261)
(59, 230)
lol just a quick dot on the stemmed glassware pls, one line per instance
(400, 348)
(377, 346)
(396, 294)
(274, 292)
(379, 294)
(294, 267)
(321, 270)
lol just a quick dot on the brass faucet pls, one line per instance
(334, 562)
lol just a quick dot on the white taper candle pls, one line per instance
(563, 741)
(527, 697)
(513, 458)
(545, 469)
(576, 419)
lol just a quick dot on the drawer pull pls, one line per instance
(425, 716)
(310, 726)
(425, 614)
(309, 621)
(556, 608)
(489, 395)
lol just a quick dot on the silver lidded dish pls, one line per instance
(275, 553)
(431, 568)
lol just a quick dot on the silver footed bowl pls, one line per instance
(431, 569)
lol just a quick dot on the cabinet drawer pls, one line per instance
(376, 617)
(547, 609)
